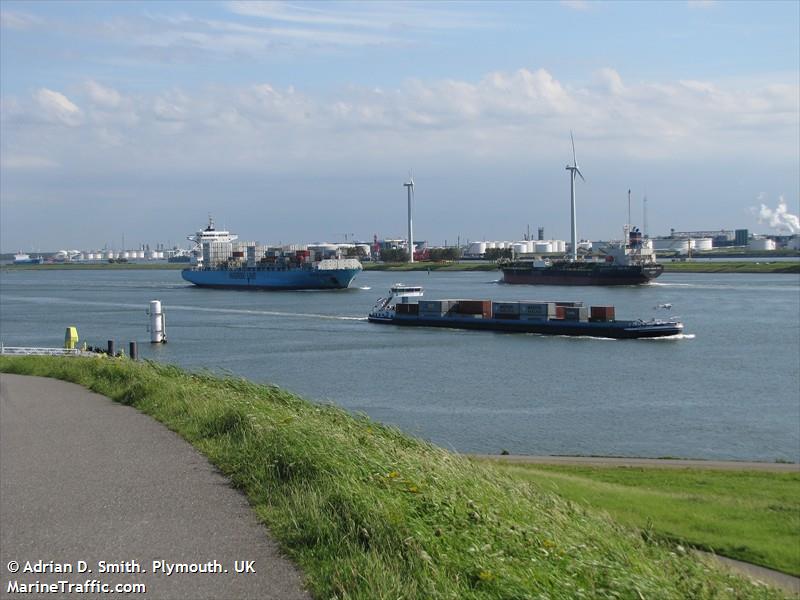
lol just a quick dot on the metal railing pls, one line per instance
(29, 351)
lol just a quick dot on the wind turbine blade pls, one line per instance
(574, 160)
(578, 171)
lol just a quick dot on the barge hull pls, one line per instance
(583, 275)
(615, 329)
(289, 279)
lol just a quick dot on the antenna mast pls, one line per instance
(629, 206)
(644, 215)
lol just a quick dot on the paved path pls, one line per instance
(83, 478)
(663, 463)
(787, 583)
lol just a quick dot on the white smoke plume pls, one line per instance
(780, 218)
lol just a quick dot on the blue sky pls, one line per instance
(299, 121)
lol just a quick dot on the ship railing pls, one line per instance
(31, 351)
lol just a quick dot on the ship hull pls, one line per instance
(581, 274)
(278, 279)
(614, 329)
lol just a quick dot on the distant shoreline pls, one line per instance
(705, 266)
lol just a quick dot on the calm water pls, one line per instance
(729, 389)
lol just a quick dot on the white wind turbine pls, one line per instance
(573, 169)
(410, 185)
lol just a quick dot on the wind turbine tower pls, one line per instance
(410, 186)
(573, 169)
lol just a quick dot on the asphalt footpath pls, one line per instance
(98, 499)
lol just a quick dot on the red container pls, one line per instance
(602, 313)
(475, 307)
(560, 312)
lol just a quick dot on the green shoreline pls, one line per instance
(766, 266)
(369, 512)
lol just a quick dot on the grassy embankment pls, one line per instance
(749, 515)
(732, 267)
(669, 267)
(369, 512)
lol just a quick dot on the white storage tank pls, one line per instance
(702, 244)
(501, 245)
(543, 247)
(670, 244)
(519, 248)
(491, 245)
(476, 248)
(762, 244)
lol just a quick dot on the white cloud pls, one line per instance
(701, 3)
(409, 16)
(576, 4)
(502, 117)
(102, 95)
(609, 80)
(18, 20)
(56, 107)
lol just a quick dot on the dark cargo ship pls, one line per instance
(631, 263)
(404, 306)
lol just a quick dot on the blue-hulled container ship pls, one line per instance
(404, 306)
(222, 262)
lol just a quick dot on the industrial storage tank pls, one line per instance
(519, 248)
(543, 247)
(491, 245)
(477, 249)
(702, 244)
(676, 245)
(762, 244)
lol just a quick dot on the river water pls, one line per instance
(728, 389)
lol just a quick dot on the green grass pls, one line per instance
(732, 267)
(432, 266)
(369, 512)
(748, 515)
(669, 267)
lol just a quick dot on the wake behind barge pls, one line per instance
(405, 307)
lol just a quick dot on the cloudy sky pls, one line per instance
(300, 121)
